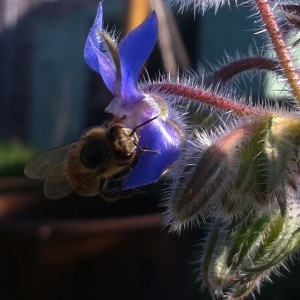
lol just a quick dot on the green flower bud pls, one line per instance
(206, 180)
(238, 258)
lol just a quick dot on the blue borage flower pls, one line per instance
(120, 67)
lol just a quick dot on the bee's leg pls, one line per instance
(101, 185)
(103, 191)
(111, 189)
(114, 195)
(127, 168)
(121, 174)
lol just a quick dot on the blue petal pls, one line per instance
(134, 50)
(99, 61)
(159, 136)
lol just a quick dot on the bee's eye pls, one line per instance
(93, 153)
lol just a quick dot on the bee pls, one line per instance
(96, 164)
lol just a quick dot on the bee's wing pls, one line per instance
(49, 165)
(56, 185)
(40, 166)
(89, 186)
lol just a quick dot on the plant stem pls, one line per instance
(279, 46)
(220, 102)
(227, 72)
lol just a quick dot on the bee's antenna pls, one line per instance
(143, 124)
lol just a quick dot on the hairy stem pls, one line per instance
(280, 47)
(234, 68)
(220, 102)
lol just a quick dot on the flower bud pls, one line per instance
(206, 180)
(238, 258)
(266, 166)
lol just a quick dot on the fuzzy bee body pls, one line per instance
(101, 158)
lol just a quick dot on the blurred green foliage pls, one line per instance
(13, 157)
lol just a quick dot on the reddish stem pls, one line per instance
(234, 68)
(225, 104)
(279, 46)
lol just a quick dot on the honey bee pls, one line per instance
(96, 164)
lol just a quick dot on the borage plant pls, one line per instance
(238, 171)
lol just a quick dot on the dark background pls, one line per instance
(78, 248)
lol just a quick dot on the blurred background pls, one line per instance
(83, 248)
